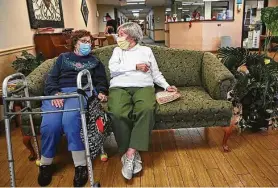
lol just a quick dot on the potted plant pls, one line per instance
(256, 87)
(27, 62)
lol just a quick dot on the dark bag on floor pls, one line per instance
(98, 124)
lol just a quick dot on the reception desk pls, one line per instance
(202, 35)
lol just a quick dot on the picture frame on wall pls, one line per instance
(104, 19)
(45, 13)
(85, 11)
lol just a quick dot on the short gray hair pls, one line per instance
(133, 30)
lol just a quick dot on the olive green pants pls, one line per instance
(133, 116)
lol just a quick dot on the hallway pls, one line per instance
(147, 40)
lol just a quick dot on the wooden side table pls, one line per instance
(101, 40)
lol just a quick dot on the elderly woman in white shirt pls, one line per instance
(132, 102)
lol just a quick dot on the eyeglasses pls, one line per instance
(86, 41)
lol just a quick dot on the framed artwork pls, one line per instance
(85, 11)
(45, 13)
(104, 19)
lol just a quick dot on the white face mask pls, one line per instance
(123, 43)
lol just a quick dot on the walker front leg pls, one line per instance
(86, 142)
(9, 146)
(36, 145)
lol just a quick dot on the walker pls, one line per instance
(8, 100)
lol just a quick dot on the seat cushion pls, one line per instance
(195, 108)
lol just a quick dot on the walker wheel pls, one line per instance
(103, 157)
(38, 162)
(97, 184)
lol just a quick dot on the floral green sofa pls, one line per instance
(202, 79)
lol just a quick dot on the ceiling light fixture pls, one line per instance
(136, 14)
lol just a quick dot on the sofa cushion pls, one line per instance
(37, 78)
(195, 108)
(179, 67)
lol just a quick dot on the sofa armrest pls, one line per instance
(37, 77)
(216, 78)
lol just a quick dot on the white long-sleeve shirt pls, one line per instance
(123, 71)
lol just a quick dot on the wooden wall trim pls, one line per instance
(15, 50)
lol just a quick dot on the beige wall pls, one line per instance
(102, 10)
(16, 35)
(14, 23)
(159, 17)
(15, 27)
(74, 19)
(156, 32)
(205, 36)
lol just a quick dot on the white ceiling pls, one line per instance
(127, 8)
(148, 2)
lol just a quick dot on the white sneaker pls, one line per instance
(137, 163)
(128, 166)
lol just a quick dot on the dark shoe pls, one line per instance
(45, 175)
(81, 176)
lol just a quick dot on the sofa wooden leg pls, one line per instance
(28, 144)
(206, 133)
(228, 132)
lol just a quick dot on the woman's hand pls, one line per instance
(142, 67)
(171, 89)
(58, 103)
(102, 97)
